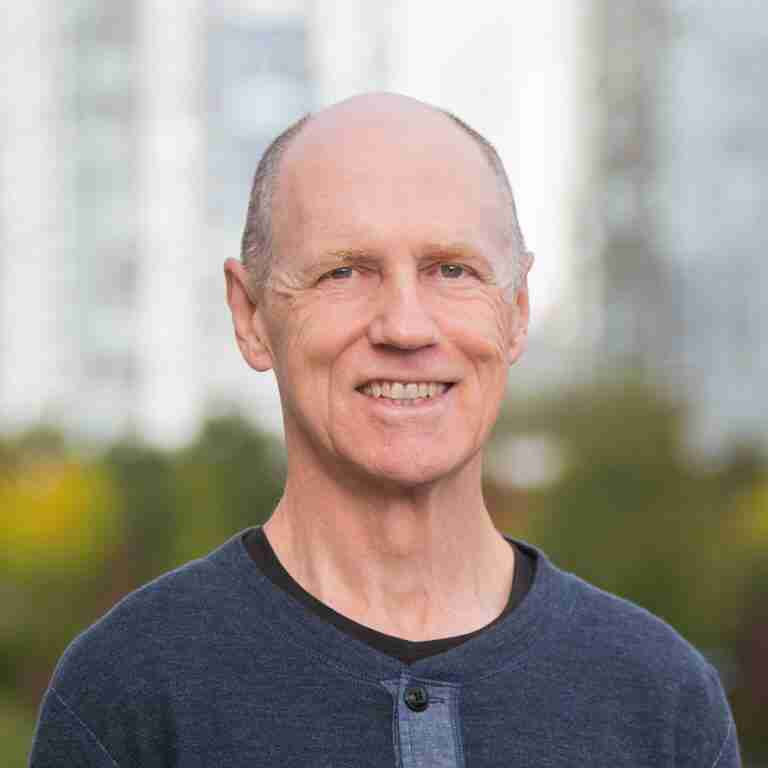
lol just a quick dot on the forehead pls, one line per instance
(374, 176)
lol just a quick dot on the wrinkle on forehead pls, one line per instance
(393, 148)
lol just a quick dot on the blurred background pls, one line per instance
(634, 441)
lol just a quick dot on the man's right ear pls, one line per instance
(246, 317)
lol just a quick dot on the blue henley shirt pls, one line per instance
(213, 665)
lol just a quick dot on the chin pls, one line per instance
(408, 472)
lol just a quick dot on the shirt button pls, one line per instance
(416, 698)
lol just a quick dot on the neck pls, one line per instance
(419, 563)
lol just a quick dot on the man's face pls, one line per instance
(385, 317)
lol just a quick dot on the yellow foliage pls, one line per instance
(55, 515)
(758, 514)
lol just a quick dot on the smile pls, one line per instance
(405, 392)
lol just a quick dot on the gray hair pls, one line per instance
(257, 251)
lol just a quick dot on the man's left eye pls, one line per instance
(341, 273)
(452, 270)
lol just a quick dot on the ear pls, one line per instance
(521, 314)
(246, 317)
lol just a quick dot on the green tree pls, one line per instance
(230, 478)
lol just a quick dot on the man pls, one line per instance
(378, 618)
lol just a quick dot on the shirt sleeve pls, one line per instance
(63, 739)
(707, 734)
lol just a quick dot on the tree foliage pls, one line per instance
(626, 510)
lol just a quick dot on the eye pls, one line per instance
(452, 271)
(340, 273)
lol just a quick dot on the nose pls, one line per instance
(403, 320)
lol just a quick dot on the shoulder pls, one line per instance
(632, 660)
(633, 638)
(159, 658)
(169, 623)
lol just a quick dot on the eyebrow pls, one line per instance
(354, 255)
(453, 248)
(458, 250)
(348, 256)
(430, 250)
(338, 257)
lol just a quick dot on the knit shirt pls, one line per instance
(213, 665)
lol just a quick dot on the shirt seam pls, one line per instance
(396, 740)
(83, 725)
(340, 667)
(261, 579)
(322, 658)
(458, 742)
(398, 648)
(727, 738)
(530, 638)
(375, 681)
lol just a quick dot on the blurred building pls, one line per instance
(680, 192)
(128, 136)
(129, 133)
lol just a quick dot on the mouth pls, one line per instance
(405, 394)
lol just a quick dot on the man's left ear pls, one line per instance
(521, 315)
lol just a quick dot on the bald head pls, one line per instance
(360, 135)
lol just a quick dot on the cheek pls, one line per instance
(481, 337)
(310, 340)
(481, 330)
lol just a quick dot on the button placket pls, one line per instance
(426, 723)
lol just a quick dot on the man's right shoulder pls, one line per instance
(169, 617)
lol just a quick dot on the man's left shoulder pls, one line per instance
(641, 663)
(616, 629)
(622, 681)
(633, 655)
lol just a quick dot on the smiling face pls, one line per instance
(385, 318)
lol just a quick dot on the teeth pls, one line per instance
(396, 390)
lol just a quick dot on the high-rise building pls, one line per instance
(680, 194)
(129, 135)
(33, 231)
